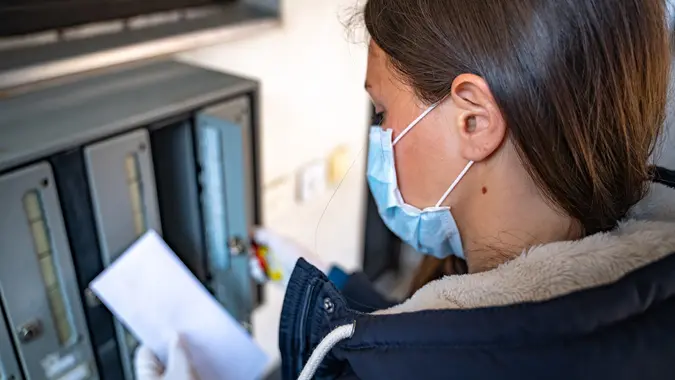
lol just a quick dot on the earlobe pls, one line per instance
(480, 124)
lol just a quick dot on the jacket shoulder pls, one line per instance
(312, 307)
(621, 330)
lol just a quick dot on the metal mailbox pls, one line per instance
(90, 164)
(207, 197)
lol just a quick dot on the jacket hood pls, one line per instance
(548, 271)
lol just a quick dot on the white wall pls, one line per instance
(313, 100)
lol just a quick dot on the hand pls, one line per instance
(282, 253)
(148, 367)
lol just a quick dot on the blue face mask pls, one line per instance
(431, 231)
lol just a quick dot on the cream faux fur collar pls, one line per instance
(551, 270)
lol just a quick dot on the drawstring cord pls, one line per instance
(333, 338)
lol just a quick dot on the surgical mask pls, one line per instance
(431, 231)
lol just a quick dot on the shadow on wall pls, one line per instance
(665, 152)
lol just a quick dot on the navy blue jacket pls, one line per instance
(599, 308)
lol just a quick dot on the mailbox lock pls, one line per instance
(30, 331)
(236, 246)
(91, 299)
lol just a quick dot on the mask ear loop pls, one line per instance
(452, 187)
(411, 125)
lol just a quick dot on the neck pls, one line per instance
(512, 216)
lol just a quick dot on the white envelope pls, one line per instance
(155, 296)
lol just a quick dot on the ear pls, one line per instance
(481, 126)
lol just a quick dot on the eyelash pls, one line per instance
(378, 118)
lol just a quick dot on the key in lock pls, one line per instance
(237, 246)
(30, 331)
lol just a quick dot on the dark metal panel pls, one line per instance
(55, 119)
(71, 182)
(30, 66)
(9, 366)
(175, 164)
(33, 16)
(255, 143)
(256, 173)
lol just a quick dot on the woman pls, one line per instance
(522, 130)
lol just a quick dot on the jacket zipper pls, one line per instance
(305, 313)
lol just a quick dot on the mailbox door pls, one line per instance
(227, 199)
(37, 280)
(122, 183)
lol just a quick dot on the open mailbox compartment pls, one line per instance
(88, 166)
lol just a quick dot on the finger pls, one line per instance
(146, 365)
(180, 366)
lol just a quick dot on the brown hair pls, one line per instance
(581, 84)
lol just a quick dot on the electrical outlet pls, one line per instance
(312, 181)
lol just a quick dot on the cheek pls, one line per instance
(412, 170)
(426, 165)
